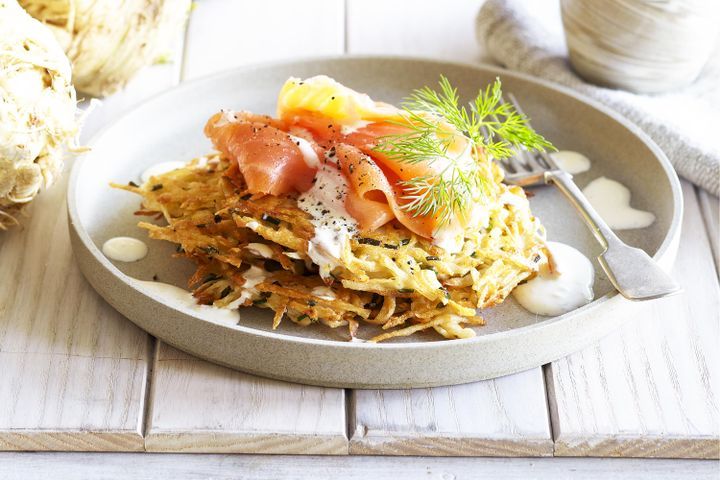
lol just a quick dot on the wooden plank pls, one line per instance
(710, 207)
(224, 34)
(421, 28)
(201, 407)
(138, 466)
(651, 389)
(74, 371)
(502, 417)
(507, 416)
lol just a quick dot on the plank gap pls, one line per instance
(550, 402)
(149, 389)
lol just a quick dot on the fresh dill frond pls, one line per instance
(494, 128)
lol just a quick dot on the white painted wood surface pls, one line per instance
(651, 389)
(444, 30)
(74, 372)
(502, 417)
(223, 34)
(201, 407)
(148, 466)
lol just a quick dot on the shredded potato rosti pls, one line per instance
(252, 250)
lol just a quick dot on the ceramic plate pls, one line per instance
(169, 127)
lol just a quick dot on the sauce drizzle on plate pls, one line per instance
(567, 287)
(125, 249)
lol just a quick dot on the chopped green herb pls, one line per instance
(369, 241)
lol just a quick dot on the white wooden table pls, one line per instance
(76, 376)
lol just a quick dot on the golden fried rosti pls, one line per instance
(252, 250)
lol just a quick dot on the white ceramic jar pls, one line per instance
(645, 46)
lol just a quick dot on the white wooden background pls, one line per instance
(77, 376)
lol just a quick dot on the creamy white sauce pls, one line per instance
(325, 202)
(253, 277)
(450, 239)
(571, 162)
(159, 169)
(260, 249)
(308, 152)
(510, 198)
(183, 300)
(325, 293)
(611, 199)
(567, 287)
(252, 225)
(125, 249)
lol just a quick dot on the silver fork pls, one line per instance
(631, 271)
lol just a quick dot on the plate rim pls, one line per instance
(664, 249)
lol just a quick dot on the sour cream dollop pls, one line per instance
(567, 287)
(334, 226)
(125, 249)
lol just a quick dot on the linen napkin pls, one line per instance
(527, 36)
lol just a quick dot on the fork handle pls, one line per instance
(631, 271)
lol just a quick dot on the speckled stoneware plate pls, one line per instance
(169, 127)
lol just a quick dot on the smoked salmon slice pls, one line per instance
(376, 193)
(270, 161)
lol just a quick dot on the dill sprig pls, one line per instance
(493, 128)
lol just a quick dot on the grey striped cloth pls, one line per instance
(527, 36)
